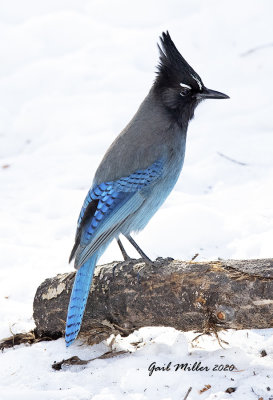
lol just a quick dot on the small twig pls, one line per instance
(261, 47)
(188, 392)
(75, 360)
(111, 354)
(211, 328)
(30, 337)
(123, 330)
(195, 256)
(231, 159)
(13, 335)
(220, 341)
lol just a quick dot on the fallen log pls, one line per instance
(129, 295)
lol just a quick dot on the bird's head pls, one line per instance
(179, 87)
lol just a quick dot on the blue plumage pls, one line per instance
(97, 232)
(78, 299)
(137, 173)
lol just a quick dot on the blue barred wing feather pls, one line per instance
(107, 206)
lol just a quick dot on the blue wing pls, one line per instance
(106, 208)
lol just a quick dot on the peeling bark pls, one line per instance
(185, 295)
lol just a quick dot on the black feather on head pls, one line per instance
(173, 68)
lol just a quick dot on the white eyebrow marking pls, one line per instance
(185, 86)
(197, 80)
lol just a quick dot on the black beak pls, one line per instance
(211, 94)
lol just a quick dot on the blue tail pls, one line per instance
(78, 299)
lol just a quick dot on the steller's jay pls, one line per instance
(137, 173)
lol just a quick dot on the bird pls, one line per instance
(137, 173)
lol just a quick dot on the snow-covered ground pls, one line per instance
(72, 74)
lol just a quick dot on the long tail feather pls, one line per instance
(78, 299)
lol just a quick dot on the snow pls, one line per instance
(72, 74)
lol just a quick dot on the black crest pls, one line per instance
(173, 68)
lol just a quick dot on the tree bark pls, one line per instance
(185, 295)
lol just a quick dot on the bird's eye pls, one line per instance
(184, 92)
(185, 89)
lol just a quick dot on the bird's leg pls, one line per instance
(123, 251)
(124, 254)
(138, 249)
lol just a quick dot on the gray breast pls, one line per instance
(156, 194)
